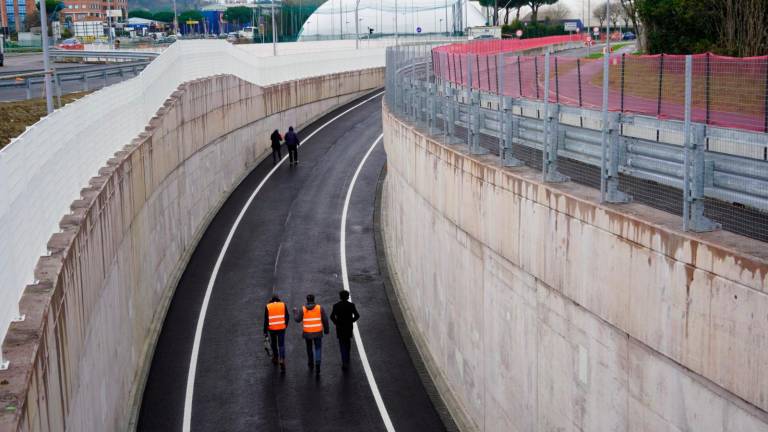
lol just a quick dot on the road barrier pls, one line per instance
(710, 175)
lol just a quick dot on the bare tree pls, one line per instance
(615, 11)
(742, 26)
(599, 13)
(557, 12)
(630, 12)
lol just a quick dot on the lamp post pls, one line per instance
(46, 59)
(175, 19)
(357, 25)
(274, 35)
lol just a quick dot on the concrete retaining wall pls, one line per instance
(540, 310)
(92, 318)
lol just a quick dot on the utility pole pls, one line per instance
(46, 58)
(274, 35)
(175, 19)
(357, 26)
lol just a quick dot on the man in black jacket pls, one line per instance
(344, 315)
(276, 138)
(292, 142)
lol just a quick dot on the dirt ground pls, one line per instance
(16, 116)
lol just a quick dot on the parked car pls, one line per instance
(484, 37)
(232, 37)
(71, 44)
(629, 36)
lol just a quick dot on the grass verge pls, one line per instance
(18, 115)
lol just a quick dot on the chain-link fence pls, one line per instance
(639, 128)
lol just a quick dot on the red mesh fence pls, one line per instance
(726, 91)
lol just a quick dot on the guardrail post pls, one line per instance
(553, 139)
(451, 107)
(85, 82)
(551, 133)
(506, 123)
(29, 88)
(699, 173)
(474, 117)
(104, 74)
(432, 102)
(615, 158)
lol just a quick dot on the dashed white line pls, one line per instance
(345, 279)
(189, 396)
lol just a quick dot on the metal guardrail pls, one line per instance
(720, 175)
(103, 55)
(27, 79)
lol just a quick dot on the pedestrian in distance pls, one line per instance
(275, 322)
(292, 142)
(315, 325)
(276, 138)
(344, 315)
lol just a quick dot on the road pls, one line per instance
(288, 241)
(28, 62)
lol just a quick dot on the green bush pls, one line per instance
(540, 29)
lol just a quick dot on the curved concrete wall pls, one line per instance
(539, 309)
(79, 358)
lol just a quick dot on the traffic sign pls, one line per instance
(519, 33)
(595, 29)
(418, 29)
(570, 26)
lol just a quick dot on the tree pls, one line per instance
(190, 15)
(741, 26)
(238, 14)
(52, 8)
(163, 16)
(140, 13)
(512, 4)
(599, 13)
(557, 12)
(630, 12)
(535, 5)
(678, 26)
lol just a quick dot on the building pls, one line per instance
(13, 13)
(93, 10)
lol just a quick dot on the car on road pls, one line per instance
(71, 44)
(629, 36)
(484, 37)
(232, 37)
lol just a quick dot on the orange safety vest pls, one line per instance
(276, 316)
(313, 322)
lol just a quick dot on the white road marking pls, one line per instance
(187, 424)
(345, 280)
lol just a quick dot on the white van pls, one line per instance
(248, 33)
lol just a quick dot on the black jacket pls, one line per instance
(344, 314)
(276, 138)
(291, 138)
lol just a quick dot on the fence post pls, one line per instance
(605, 131)
(473, 114)
(765, 99)
(519, 77)
(661, 82)
(616, 157)
(707, 84)
(623, 59)
(552, 138)
(578, 75)
(506, 122)
(536, 75)
(693, 165)
(557, 83)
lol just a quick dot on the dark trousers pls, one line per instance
(293, 153)
(345, 345)
(314, 354)
(277, 340)
(276, 156)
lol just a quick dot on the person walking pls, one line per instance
(292, 142)
(275, 322)
(315, 325)
(276, 138)
(344, 315)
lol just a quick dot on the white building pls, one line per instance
(335, 19)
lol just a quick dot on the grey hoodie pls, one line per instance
(299, 317)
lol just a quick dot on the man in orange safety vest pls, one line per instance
(275, 322)
(315, 326)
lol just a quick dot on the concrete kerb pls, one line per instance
(450, 411)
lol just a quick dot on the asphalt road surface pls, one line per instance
(289, 241)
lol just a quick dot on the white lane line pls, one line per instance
(187, 424)
(345, 278)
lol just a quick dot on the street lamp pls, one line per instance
(357, 25)
(46, 59)
(274, 35)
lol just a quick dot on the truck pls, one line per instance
(248, 33)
